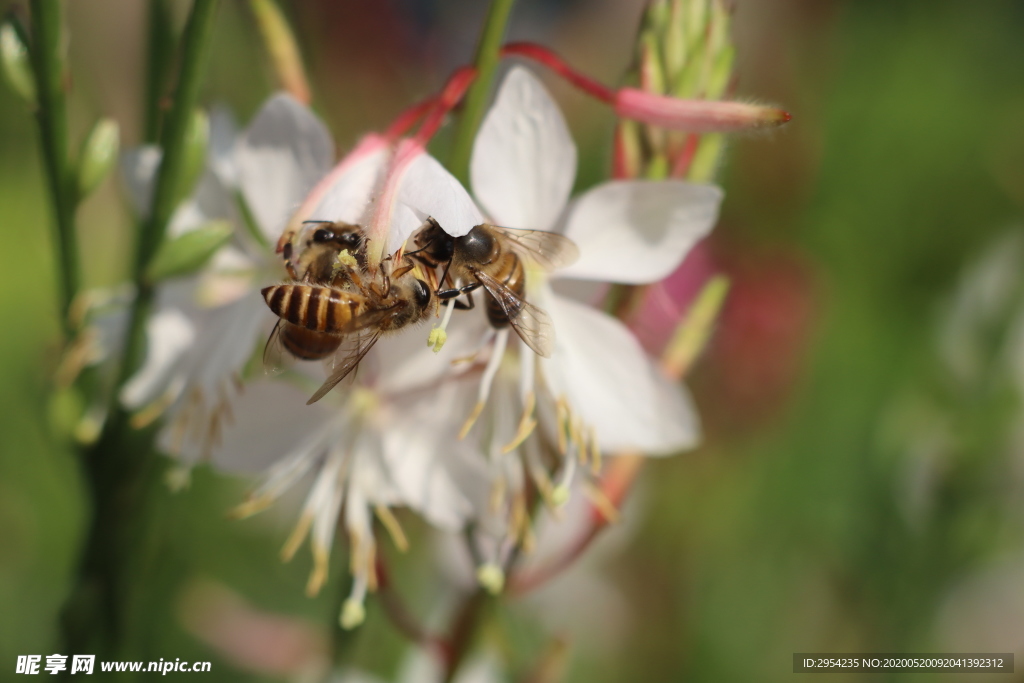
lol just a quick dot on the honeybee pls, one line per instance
(495, 258)
(333, 302)
(322, 243)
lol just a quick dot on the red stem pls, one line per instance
(546, 57)
(453, 92)
(404, 121)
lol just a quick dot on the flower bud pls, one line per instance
(695, 116)
(99, 154)
(189, 252)
(197, 139)
(17, 69)
(283, 50)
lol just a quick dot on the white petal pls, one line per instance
(638, 231)
(428, 189)
(611, 384)
(220, 155)
(280, 157)
(210, 201)
(138, 171)
(271, 421)
(228, 336)
(432, 469)
(349, 190)
(405, 362)
(524, 159)
(169, 334)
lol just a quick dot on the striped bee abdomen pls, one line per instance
(322, 309)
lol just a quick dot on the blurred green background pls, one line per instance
(852, 495)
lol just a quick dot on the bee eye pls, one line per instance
(350, 239)
(421, 292)
(323, 235)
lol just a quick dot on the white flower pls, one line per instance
(374, 446)
(598, 392)
(206, 328)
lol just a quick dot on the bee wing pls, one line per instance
(275, 357)
(532, 324)
(549, 250)
(344, 365)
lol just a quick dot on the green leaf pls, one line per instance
(99, 154)
(189, 252)
(17, 69)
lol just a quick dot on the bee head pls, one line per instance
(436, 242)
(345, 237)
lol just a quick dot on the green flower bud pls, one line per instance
(197, 139)
(188, 252)
(99, 155)
(17, 69)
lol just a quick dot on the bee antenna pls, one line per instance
(316, 221)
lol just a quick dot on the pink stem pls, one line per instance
(543, 55)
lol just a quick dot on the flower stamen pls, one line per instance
(493, 363)
(438, 336)
(390, 522)
(526, 425)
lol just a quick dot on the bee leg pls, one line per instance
(402, 271)
(466, 305)
(455, 291)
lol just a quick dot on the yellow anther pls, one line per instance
(250, 507)
(601, 502)
(497, 497)
(390, 523)
(473, 416)
(438, 336)
(297, 537)
(371, 566)
(561, 419)
(491, 577)
(318, 576)
(353, 613)
(526, 425)
(152, 411)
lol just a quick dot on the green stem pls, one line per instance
(167, 192)
(48, 64)
(195, 48)
(488, 53)
(121, 466)
(160, 51)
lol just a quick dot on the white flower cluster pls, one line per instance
(474, 434)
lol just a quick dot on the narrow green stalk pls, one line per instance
(48, 64)
(120, 466)
(195, 49)
(488, 53)
(168, 189)
(160, 51)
